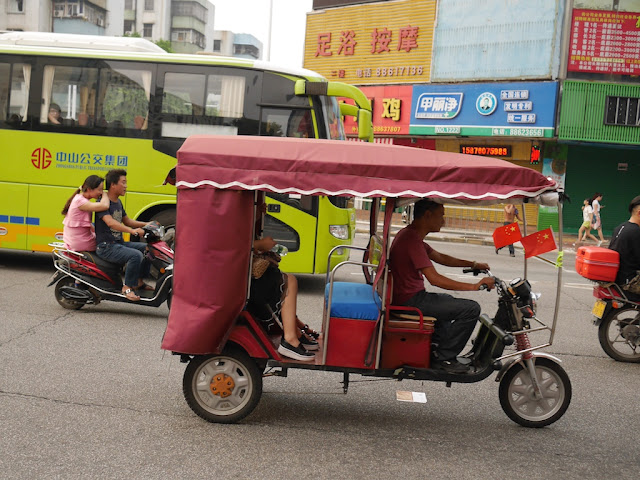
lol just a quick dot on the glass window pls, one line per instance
(183, 93)
(333, 124)
(19, 95)
(123, 102)
(68, 95)
(5, 75)
(148, 4)
(128, 5)
(284, 122)
(216, 45)
(225, 96)
(147, 30)
(15, 6)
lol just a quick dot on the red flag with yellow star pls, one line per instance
(538, 243)
(507, 235)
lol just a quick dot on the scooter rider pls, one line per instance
(110, 225)
(411, 258)
(626, 241)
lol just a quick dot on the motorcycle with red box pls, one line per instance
(221, 183)
(617, 316)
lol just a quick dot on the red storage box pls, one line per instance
(597, 263)
(348, 341)
(406, 348)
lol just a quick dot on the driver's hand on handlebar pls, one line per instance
(138, 231)
(488, 281)
(264, 244)
(481, 266)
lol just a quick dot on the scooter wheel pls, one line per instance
(619, 335)
(517, 396)
(222, 388)
(66, 302)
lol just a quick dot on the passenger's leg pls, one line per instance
(288, 311)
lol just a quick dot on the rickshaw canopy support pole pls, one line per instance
(345, 382)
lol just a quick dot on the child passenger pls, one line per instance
(79, 233)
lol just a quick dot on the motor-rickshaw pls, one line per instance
(220, 182)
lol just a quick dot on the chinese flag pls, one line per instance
(507, 235)
(538, 243)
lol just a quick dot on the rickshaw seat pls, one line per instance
(353, 300)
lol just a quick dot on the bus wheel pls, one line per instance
(167, 218)
(222, 388)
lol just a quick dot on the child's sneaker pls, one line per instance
(297, 353)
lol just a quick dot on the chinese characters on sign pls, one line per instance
(438, 105)
(90, 161)
(380, 41)
(391, 110)
(605, 42)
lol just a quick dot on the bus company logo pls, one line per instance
(443, 106)
(3, 231)
(41, 158)
(486, 103)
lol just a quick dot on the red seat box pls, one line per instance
(597, 263)
(348, 341)
(406, 348)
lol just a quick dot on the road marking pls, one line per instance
(583, 286)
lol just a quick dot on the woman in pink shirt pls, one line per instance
(79, 234)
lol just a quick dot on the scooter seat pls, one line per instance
(110, 268)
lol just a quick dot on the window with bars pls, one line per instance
(622, 111)
(148, 5)
(15, 6)
(147, 30)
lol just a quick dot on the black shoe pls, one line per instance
(308, 343)
(497, 250)
(311, 332)
(451, 366)
(297, 353)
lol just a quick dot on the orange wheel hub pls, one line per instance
(222, 385)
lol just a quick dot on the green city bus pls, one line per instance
(126, 103)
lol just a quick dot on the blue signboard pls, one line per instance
(520, 109)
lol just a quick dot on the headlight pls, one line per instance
(339, 231)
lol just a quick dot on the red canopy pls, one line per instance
(329, 167)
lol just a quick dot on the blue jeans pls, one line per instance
(455, 320)
(129, 253)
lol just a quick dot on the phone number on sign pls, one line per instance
(519, 132)
(390, 71)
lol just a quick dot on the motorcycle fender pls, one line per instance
(243, 337)
(55, 278)
(511, 362)
(607, 311)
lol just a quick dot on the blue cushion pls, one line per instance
(353, 300)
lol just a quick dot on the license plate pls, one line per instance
(598, 308)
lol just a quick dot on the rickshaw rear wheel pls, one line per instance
(518, 400)
(222, 388)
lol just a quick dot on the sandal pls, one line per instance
(144, 287)
(130, 295)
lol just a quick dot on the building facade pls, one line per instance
(242, 45)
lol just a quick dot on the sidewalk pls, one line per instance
(459, 236)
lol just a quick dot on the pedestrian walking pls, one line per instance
(587, 220)
(511, 213)
(597, 220)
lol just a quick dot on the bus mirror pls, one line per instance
(365, 125)
(348, 110)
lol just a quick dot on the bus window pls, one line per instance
(67, 89)
(334, 126)
(123, 101)
(282, 122)
(183, 94)
(225, 96)
(14, 92)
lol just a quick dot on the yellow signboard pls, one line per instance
(382, 43)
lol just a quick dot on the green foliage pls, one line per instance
(165, 45)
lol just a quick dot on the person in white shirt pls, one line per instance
(587, 219)
(597, 221)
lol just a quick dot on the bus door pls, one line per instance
(292, 221)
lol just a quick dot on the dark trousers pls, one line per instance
(455, 320)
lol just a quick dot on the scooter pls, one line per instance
(83, 278)
(618, 322)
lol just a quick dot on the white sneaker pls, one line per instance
(599, 243)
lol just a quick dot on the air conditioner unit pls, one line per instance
(58, 13)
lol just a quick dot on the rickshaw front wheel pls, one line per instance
(518, 399)
(222, 388)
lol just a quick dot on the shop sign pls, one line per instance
(605, 42)
(522, 109)
(391, 110)
(372, 44)
(438, 105)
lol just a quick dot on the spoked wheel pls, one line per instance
(222, 388)
(619, 335)
(518, 399)
(67, 303)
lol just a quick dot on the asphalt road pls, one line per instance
(90, 394)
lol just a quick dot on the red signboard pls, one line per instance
(391, 110)
(605, 42)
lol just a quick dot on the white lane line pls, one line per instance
(583, 286)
